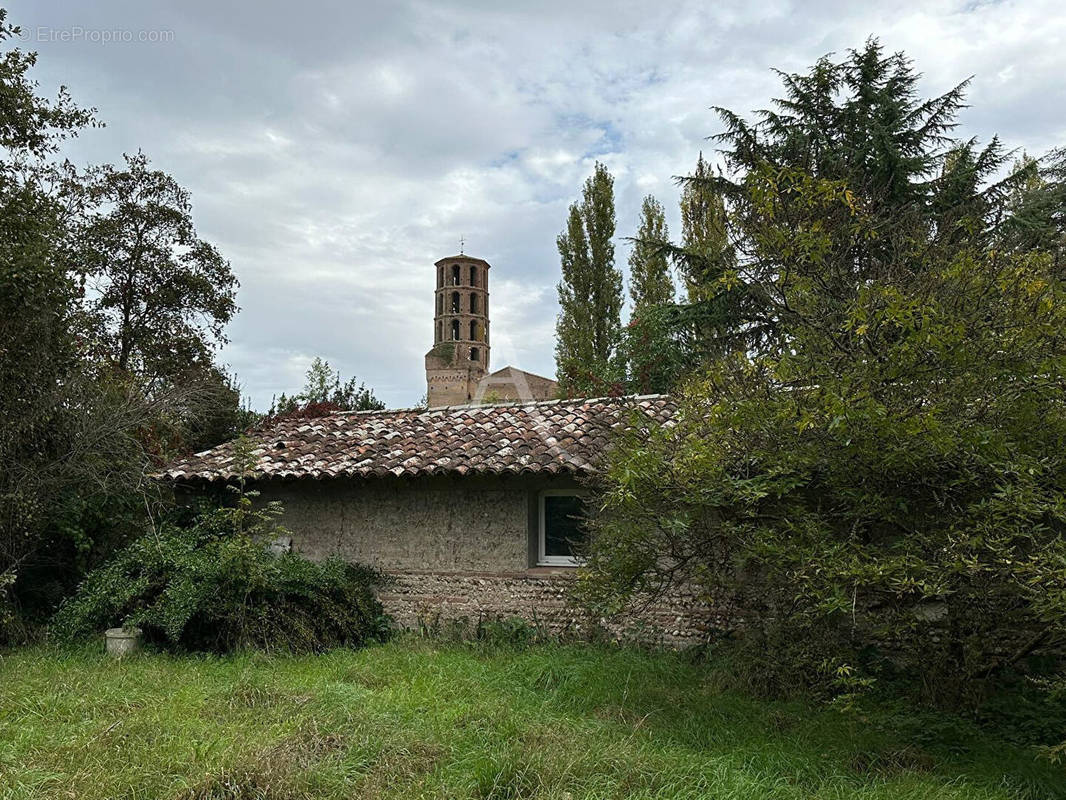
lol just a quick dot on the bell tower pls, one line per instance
(460, 354)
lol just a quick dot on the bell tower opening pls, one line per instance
(459, 358)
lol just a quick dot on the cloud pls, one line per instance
(334, 153)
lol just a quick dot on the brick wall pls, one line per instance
(461, 549)
(539, 595)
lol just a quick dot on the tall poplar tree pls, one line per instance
(589, 324)
(704, 234)
(707, 260)
(649, 267)
(647, 343)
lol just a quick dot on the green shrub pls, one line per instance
(215, 585)
(900, 513)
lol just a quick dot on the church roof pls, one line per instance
(510, 371)
(461, 257)
(552, 437)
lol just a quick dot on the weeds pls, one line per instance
(492, 717)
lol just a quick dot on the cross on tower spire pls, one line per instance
(462, 244)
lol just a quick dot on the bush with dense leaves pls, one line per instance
(215, 585)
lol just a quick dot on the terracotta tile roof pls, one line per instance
(555, 436)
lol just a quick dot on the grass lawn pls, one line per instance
(417, 719)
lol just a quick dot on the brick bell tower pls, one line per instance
(460, 354)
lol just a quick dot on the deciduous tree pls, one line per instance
(590, 293)
(39, 363)
(647, 344)
(78, 437)
(649, 267)
(163, 294)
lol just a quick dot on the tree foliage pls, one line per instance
(859, 120)
(649, 268)
(669, 339)
(44, 402)
(877, 488)
(707, 262)
(323, 393)
(645, 343)
(162, 294)
(590, 293)
(209, 409)
(706, 251)
(1035, 212)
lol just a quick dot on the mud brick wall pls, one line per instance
(409, 524)
(463, 548)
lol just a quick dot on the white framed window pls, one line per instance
(562, 528)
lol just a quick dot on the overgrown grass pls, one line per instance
(417, 719)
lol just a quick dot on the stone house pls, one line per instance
(474, 510)
(474, 506)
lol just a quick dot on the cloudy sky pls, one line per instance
(334, 151)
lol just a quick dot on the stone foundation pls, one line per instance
(540, 596)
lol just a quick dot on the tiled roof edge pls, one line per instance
(576, 401)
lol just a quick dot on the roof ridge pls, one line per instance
(561, 401)
(500, 404)
(369, 411)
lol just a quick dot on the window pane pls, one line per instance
(564, 532)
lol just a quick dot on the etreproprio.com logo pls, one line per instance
(76, 34)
